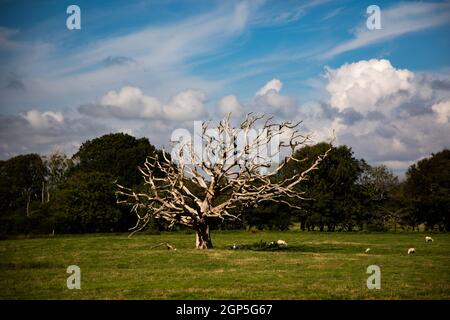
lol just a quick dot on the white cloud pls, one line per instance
(272, 85)
(230, 104)
(186, 105)
(156, 57)
(42, 132)
(269, 100)
(130, 103)
(273, 102)
(396, 21)
(46, 119)
(442, 111)
(373, 85)
(387, 115)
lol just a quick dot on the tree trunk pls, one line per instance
(28, 204)
(42, 192)
(203, 236)
(302, 225)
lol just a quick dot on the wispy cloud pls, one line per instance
(332, 14)
(154, 57)
(396, 21)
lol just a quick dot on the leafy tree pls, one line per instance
(86, 203)
(276, 216)
(378, 184)
(331, 188)
(21, 182)
(118, 154)
(402, 208)
(428, 186)
(58, 166)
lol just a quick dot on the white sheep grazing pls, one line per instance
(367, 250)
(411, 250)
(429, 239)
(281, 243)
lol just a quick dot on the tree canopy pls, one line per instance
(428, 186)
(42, 194)
(118, 154)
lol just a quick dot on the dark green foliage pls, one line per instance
(72, 195)
(118, 154)
(269, 215)
(58, 169)
(332, 193)
(86, 203)
(428, 186)
(61, 195)
(21, 180)
(381, 202)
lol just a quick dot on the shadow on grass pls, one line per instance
(30, 265)
(319, 248)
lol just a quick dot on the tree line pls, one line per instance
(58, 194)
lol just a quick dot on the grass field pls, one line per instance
(314, 266)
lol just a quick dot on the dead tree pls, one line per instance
(230, 170)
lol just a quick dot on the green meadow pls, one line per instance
(314, 265)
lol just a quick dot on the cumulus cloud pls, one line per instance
(186, 105)
(387, 115)
(42, 132)
(46, 119)
(269, 100)
(229, 104)
(442, 111)
(126, 103)
(363, 85)
(130, 103)
(273, 85)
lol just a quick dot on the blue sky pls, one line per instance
(147, 67)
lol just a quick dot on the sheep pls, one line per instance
(411, 250)
(367, 250)
(429, 239)
(281, 243)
